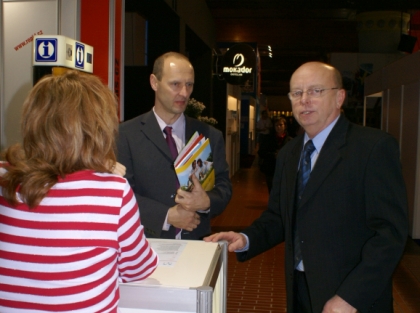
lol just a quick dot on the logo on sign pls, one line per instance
(239, 57)
(80, 55)
(238, 64)
(237, 70)
(46, 50)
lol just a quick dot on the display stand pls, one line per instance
(190, 277)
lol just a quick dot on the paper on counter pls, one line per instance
(169, 252)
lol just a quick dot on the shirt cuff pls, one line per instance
(165, 224)
(246, 248)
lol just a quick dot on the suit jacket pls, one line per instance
(143, 150)
(352, 218)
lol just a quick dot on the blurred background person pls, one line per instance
(268, 151)
(264, 127)
(70, 229)
(293, 127)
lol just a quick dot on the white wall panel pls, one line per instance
(409, 143)
(20, 21)
(70, 19)
(385, 110)
(400, 83)
(394, 112)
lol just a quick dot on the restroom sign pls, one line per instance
(80, 55)
(46, 50)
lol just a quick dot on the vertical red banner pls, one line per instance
(117, 49)
(415, 29)
(94, 31)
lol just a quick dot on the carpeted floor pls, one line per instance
(246, 160)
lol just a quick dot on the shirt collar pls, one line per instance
(319, 139)
(178, 128)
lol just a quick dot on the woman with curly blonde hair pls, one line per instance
(70, 229)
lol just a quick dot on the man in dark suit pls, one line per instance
(143, 149)
(346, 231)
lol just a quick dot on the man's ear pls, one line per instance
(341, 96)
(153, 82)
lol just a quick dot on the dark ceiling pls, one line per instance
(296, 30)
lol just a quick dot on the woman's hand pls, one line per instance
(118, 169)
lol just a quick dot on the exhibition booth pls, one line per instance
(190, 277)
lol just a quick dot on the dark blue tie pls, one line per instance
(174, 152)
(302, 179)
(304, 168)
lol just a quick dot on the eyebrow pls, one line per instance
(310, 87)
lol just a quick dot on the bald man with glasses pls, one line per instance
(338, 202)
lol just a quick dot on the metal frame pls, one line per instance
(1, 76)
(181, 300)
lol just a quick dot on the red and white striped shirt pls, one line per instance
(69, 253)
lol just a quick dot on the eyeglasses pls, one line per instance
(312, 93)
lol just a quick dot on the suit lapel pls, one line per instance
(150, 128)
(327, 160)
(191, 126)
(291, 166)
(188, 129)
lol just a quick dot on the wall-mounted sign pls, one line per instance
(46, 50)
(57, 50)
(80, 56)
(239, 64)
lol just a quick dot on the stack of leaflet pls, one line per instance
(195, 159)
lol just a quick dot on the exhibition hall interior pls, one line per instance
(374, 44)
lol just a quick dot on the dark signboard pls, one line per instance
(239, 64)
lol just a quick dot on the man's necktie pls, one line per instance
(174, 152)
(302, 179)
(170, 141)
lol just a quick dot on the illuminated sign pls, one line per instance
(239, 64)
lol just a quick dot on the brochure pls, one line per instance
(195, 159)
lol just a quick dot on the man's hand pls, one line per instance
(194, 200)
(235, 241)
(337, 305)
(181, 218)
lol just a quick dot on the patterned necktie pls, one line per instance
(174, 152)
(302, 179)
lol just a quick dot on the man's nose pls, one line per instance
(184, 91)
(305, 98)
